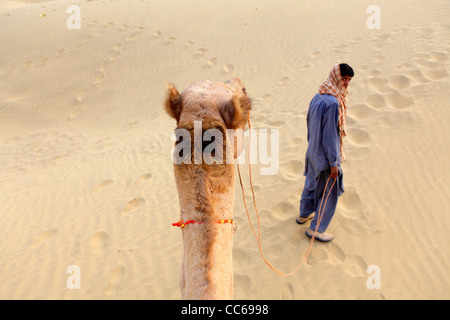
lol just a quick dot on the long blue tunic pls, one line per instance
(323, 134)
(323, 152)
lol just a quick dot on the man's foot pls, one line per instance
(321, 236)
(302, 220)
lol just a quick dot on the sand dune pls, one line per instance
(86, 177)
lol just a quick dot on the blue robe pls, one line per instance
(323, 152)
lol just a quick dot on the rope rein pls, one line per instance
(258, 238)
(181, 224)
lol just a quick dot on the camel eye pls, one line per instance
(244, 90)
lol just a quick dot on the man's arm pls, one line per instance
(330, 137)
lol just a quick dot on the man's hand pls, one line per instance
(334, 172)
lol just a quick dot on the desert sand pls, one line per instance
(86, 177)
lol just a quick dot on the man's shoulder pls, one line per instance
(324, 102)
(329, 99)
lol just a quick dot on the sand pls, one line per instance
(86, 178)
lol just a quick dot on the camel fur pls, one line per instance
(206, 191)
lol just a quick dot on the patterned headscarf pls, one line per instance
(335, 86)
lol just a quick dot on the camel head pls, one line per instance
(222, 106)
(210, 118)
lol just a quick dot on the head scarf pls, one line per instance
(335, 86)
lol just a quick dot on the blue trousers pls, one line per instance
(312, 197)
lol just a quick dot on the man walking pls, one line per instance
(326, 130)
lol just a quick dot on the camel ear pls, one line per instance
(235, 112)
(173, 104)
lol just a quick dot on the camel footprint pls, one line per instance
(350, 201)
(211, 63)
(102, 185)
(200, 53)
(228, 68)
(115, 279)
(144, 178)
(99, 241)
(358, 136)
(133, 205)
(283, 81)
(44, 237)
(282, 210)
(287, 292)
(169, 41)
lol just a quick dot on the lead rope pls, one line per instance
(258, 239)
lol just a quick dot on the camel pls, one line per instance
(206, 191)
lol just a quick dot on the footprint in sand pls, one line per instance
(351, 213)
(294, 169)
(358, 136)
(343, 48)
(398, 101)
(156, 35)
(123, 27)
(376, 101)
(379, 85)
(99, 78)
(200, 53)
(27, 64)
(282, 211)
(228, 68)
(44, 237)
(283, 81)
(335, 253)
(102, 185)
(133, 205)
(350, 201)
(115, 279)
(43, 62)
(144, 178)
(211, 63)
(438, 56)
(74, 114)
(170, 41)
(287, 292)
(399, 82)
(134, 35)
(61, 52)
(417, 76)
(265, 96)
(317, 254)
(117, 46)
(379, 58)
(305, 67)
(99, 241)
(81, 94)
(429, 67)
(327, 252)
(189, 44)
(361, 111)
(114, 55)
